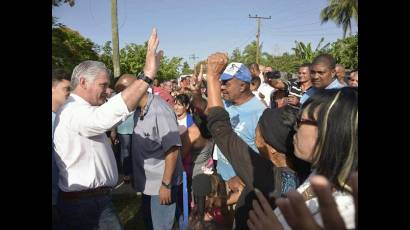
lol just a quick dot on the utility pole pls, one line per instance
(194, 58)
(115, 46)
(258, 34)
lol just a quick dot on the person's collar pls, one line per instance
(150, 98)
(78, 98)
(334, 84)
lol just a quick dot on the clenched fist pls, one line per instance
(216, 64)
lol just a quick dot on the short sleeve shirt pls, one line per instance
(155, 132)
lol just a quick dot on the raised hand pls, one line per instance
(216, 64)
(201, 73)
(153, 57)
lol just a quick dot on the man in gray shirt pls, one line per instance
(156, 162)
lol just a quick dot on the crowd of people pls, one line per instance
(260, 151)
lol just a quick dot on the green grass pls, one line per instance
(127, 206)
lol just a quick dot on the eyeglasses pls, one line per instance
(302, 121)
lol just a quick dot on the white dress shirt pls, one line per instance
(83, 154)
(266, 90)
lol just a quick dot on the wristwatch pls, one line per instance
(168, 186)
(145, 78)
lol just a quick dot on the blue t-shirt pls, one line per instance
(335, 84)
(244, 119)
(127, 126)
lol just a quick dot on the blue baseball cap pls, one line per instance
(237, 70)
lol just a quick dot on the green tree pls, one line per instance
(132, 61)
(341, 12)
(132, 58)
(106, 54)
(249, 53)
(168, 68)
(186, 69)
(236, 56)
(345, 51)
(69, 48)
(285, 63)
(58, 2)
(305, 52)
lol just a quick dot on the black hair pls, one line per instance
(255, 80)
(305, 65)
(272, 75)
(59, 75)
(325, 59)
(336, 152)
(183, 99)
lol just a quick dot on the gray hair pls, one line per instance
(89, 70)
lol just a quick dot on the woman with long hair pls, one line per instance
(326, 137)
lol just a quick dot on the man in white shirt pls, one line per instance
(86, 163)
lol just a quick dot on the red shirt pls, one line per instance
(167, 97)
(156, 90)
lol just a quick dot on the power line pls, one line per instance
(258, 33)
(307, 30)
(241, 40)
(194, 58)
(126, 14)
(307, 35)
(283, 8)
(297, 25)
(308, 11)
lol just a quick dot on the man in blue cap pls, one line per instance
(244, 111)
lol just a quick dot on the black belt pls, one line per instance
(85, 193)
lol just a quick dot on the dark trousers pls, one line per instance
(96, 212)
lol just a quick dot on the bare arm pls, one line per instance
(171, 157)
(133, 93)
(170, 162)
(216, 64)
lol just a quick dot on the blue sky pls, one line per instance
(187, 27)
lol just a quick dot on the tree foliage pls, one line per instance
(58, 2)
(236, 56)
(69, 48)
(285, 63)
(346, 51)
(132, 61)
(305, 52)
(249, 53)
(341, 12)
(186, 69)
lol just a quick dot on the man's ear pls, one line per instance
(83, 83)
(244, 86)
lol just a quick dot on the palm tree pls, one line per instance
(341, 12)
(306, 53)
(58, 2)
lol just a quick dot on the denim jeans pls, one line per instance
(125, 149)
(95, 212)
(157, 216)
